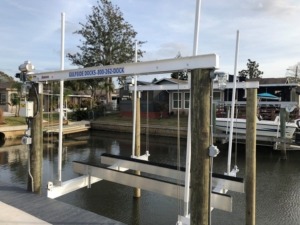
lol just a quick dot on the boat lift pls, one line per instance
(220, 201)
(92, 174)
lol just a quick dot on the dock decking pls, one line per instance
(49, 210)
(71, 127)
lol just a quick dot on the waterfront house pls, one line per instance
(271, 92)
(7, 93)
(155, 103)
(171, 101)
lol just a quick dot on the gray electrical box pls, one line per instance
(26, 108)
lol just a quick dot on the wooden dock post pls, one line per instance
(36, 148)
(282, 132)
(200, 134)
(137, 191)
(251, 110)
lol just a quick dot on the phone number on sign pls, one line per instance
(86, 73)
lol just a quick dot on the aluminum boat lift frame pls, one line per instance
(91, 174)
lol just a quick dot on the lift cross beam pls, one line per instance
(219, 201)
(209, 61)
(226, 182)
(175, 87)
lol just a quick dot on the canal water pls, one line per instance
(278, 181)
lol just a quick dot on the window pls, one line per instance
(176, 100)
(217, 95)
(2, 99)
(186, 100)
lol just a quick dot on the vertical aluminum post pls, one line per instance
(232, 105)
(188, 147)
(61, 99)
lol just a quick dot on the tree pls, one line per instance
(252, 71)
(181, 75)
(293, 72)
(108, 40)
(15, 97)
(154, 80)
(5, 78)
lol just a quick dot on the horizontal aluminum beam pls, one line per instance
(165, 87)
(218, 201)
(55, 191)
(281, 104)
(174, 87)
(227, 182)
(70, 186)
(209, 61)
(143, 167)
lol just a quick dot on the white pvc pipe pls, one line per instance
(134, 106)
(233, 104)
(61, 98)
(197, 27)
(188, 146)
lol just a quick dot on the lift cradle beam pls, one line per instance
(219, 201)
(218, 180)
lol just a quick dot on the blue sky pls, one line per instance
(269, 31)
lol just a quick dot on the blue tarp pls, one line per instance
(268, 96)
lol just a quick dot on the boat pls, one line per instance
(264, 128)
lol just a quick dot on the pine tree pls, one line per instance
(108, 39)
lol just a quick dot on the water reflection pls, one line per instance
(278, 181)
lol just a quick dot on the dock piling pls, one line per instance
(200, 135)
(251, 111)
(34, 183)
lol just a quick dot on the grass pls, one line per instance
(14, 121)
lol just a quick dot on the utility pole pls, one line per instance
(200, 136)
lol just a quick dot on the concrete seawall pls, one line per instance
(152, 129)
(9, 132)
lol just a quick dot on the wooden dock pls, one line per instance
(12, 131)
(71, 127)
(48, 210)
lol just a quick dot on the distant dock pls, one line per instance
(7, 132)
(71, 127)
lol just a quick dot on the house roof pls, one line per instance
(170, 81)
(139, 82)
(5, 85)
(281, 80)
(5, 78)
